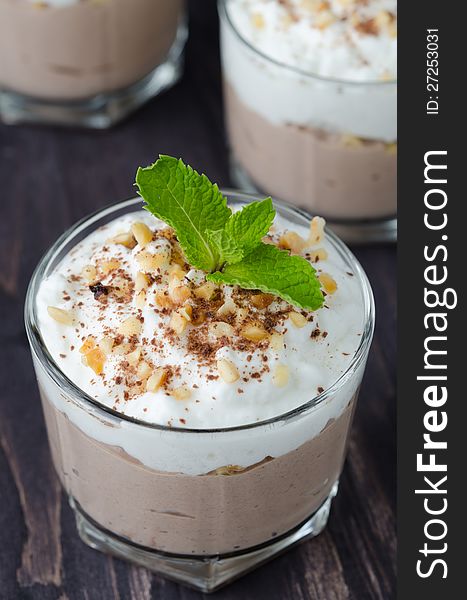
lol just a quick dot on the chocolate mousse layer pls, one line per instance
(85, 48)
(220, 512)
(340, 177)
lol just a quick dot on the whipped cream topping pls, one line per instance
(352, 40)
(312, 355)
(357, 45)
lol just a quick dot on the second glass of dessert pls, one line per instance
(199, 427)
(310, 96)
(86, 62)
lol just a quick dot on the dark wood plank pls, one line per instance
(49, 178)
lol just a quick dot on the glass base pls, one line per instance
(204, 573)
(353, 232)
(100, 111)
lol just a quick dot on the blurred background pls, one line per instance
(49, 178)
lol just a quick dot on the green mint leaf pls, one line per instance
(227, 249)
(228, 246)
(243, 231)
(188, 202)
(275, 271)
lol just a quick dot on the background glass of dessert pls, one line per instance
(86, 62)
(327, 144)
(201, 506)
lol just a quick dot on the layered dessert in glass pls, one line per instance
(199, 429)
(86, 62)
(310, 96)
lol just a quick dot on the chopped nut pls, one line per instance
(276, 341)
(199, 317)
(122, 349)
(124, 239)
(142, 233)
(205, 291)
(168, 233)
(177, 254)
(144, 370)
(133, 357)
(181, 393)
(156, 380)
(261, 300)
(227, 370)
(162, 299)
(324, 19)
(65, 317)
(89, 273)
(106, 344)
(227, 308)
(178, 323)
(151, 262)
(220, 329)
(367, 26)
(109, 265)
(228, 470)
(383, 19)
(318, 254)
(386, 76)
(141, 281)
(179, 294)
(140, 299)
(176, 274)
(186, 311)
(258, 20)
(242, 315)
(280, 376)
(328, 283)
(178, 291)
(254, 333)
(309, 5)
(355, 20)
(316, 234)
(131, 326)
(298, 319)
(292, 241)
(95, 359)
(88, 344)
(392, 30)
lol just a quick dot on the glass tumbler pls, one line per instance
(328, 146)
(201, 506)
(86, 62)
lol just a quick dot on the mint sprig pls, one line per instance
(228, 246)
(275, 271)
(189, 203)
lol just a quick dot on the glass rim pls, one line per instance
(40, 351)
(224, 15)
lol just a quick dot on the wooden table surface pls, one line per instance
(49, 178)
